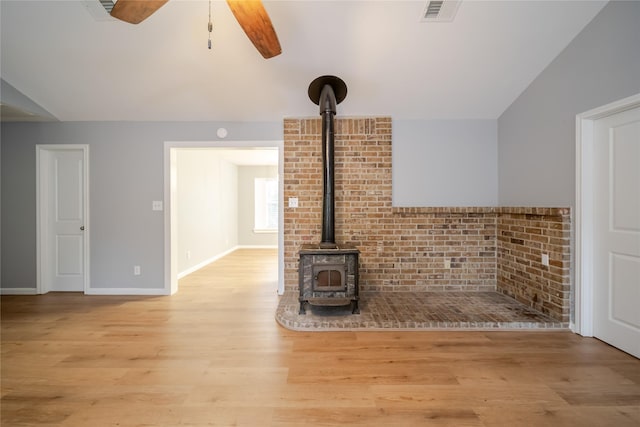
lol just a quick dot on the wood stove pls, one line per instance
(329, 276)
(328, 273)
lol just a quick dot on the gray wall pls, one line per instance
(246, 206)
(445, 163)
(536, 134)
(126, 173)
(9, 95)
(0, 211)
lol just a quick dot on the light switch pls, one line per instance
(545, 260)
(156, 205)
(293, 202)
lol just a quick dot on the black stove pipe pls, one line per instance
(327, 92)
(327, 111)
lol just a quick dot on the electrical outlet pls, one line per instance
(293, 202)
(188, 254)
(136, 270)
(447, 263)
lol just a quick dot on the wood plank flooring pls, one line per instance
(213, 355)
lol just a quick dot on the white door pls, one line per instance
(616, 269)
(62, 208)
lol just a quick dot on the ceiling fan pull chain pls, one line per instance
(210, 25)
(210, 28)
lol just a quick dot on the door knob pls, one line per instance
(82, 228)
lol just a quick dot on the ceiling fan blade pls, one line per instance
(135, 11)
(254, 20)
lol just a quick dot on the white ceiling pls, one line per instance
(81, 68)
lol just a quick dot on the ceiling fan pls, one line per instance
(250, 14)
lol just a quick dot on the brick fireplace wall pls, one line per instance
(411, 249)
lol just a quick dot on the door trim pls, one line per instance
(584, 289)
(42, 225)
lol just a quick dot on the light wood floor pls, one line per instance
(213, 355)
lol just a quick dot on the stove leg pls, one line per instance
(302, 310)
(354, 307)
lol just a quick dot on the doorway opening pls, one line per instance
(216, 173)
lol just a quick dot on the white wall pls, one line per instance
(207, 206)
(246, 206)
(536, 134)
(445, 163)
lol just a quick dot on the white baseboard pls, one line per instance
(217, 257)
(205, 263)
(92, 291)
(126, 291)
(18, 291)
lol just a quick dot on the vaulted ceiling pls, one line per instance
(79, 64)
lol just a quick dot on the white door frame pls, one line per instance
(584, 289)
(42, 223)
(170, 216)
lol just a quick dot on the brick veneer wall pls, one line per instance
(524, 234)
(402, 249)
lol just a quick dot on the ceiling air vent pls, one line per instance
(107, 4)
(440, 10)
(99, 9)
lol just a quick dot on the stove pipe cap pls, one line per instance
(339, 88)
